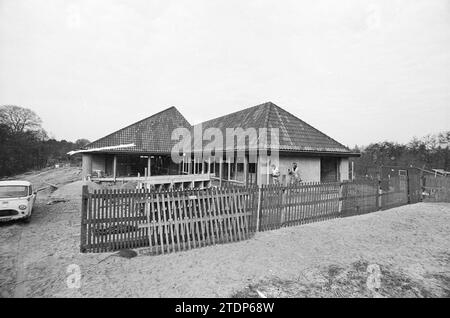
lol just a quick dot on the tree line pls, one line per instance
(25, 145)
(429, 152)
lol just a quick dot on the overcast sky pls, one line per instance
(360, 71)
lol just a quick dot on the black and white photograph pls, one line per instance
(227, 155)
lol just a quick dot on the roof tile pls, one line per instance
(150, 135)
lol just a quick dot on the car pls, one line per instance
(16, 200)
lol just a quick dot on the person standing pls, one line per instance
(295, 174)
(275, 174)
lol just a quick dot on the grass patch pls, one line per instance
(351, 282)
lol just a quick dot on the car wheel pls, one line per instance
(27, 219)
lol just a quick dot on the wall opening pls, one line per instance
(329, 169)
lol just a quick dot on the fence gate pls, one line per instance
(394, 192)
(360, 197)
(271, 207)
(414, 187)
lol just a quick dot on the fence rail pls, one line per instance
(173, 221)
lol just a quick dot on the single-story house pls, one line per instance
(143, 150)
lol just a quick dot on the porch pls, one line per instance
(159, 170)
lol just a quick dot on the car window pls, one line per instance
(13, 191)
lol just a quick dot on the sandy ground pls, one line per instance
(60, 176)
(410, 245)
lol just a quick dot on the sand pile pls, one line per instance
(72, 191)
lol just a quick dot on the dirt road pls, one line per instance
(409, 245)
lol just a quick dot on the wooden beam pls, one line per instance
(86, 166)
(189, 164)
(353, 171)
(258, 174)
(149, 166)
(115, 167)
(245, 169)
(220, 171)
(235, 168)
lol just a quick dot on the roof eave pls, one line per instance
(128, 152)
(324, 153)
(306, 152)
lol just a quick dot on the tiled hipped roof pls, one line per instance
(153, 134)
(294, 134)
(150, 135)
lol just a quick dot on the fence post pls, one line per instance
(258, 211)
(84, 207)
(379, 193)
(408, 188)
(421, 185)
(283, 206)
(341, 197)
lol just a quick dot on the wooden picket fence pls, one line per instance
(173, 221)
(297, 204)
(303, 203)
(436, 188)
(165, 221)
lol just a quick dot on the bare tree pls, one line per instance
(41, 134)
(82, 142)
(19, 119)
(444, 139)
